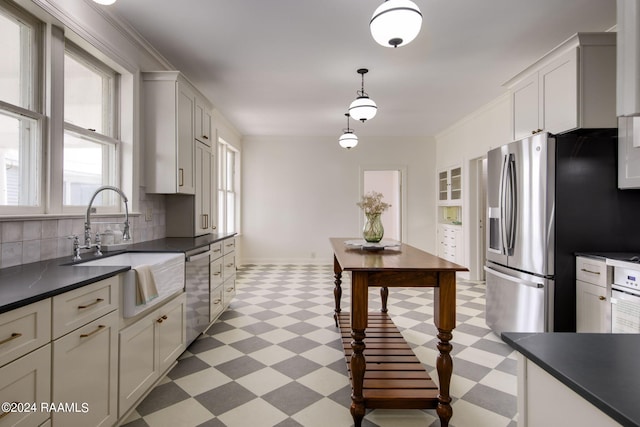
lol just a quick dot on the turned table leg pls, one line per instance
(384, 294)
(337, 290)
(445, 320)
(357, 364)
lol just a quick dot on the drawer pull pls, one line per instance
(589, 271)
(217, 273)
(229, 245)
(601, 298)
(229, 265)
(98, 329)
(217, 301)
(229, 289)
(216, 250)
(11, 338)
(162, 319)
(97, 301)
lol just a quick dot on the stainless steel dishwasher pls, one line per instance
(197, 290)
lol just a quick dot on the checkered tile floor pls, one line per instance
(274, 358)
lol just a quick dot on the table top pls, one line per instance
(403, 258)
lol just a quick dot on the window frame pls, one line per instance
(225, 188)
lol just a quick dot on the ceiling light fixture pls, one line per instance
(348, 139)
(363, 108)
(395, 23)
(105, 2)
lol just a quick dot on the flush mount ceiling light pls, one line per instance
(363, 108)
(395, 23)
(105, 2)
(348, 139)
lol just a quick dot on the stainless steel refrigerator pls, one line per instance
(548, 197)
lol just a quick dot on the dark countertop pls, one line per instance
(602, 368)
(25, 284)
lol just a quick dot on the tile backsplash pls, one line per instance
(22, 242)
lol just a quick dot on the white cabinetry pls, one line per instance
(450, 185)
(169, 105)
(571, 87)
(628, 58)
(148, 348)
(85, 354)
(25, 362)
(539, 395)
(223, 276)
(203, 132)
(629, 152)
(451, 243)
(593, 295)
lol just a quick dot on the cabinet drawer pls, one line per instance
(229, 290)
(217, 303)
(216, 274)
(216, 250)
(228, 245)
(85, 369)
(26, 380)
(24, 329)
(83, 305)
(228, 266)
(591, 271)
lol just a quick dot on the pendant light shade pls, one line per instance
(395, 23)
(363, 108)
(348, 139)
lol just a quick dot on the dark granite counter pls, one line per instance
(25, 284)
(602, 368)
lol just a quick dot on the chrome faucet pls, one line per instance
(126, 234)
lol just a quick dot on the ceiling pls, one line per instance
(288, 67)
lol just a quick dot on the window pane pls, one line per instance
(15, 66)
(231, 212)
(87, 166)
(19, 161)
(85, 99)
(230, 170)
(221, 210)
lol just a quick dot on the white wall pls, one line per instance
(299, 191)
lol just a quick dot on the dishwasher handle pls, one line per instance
(197, 256)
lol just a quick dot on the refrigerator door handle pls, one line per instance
(503, 204)
(513, 279)
(513, 194)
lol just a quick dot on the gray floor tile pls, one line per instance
(238, 368)
(292, 398)
(224, 398)
(161, 396)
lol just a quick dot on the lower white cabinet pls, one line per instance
(26, 380)
(148, 348)
(451, 243)
(85, 368)
(593, 295)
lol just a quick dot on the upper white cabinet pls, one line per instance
(628, 34)
(573, 86)
(203, 122)
(450, 185)
(169, 119)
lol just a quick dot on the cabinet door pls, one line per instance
(138, 365)
(559, 93)
(85, 371)
(26, 380)
(525, 108)
(455, 186)
(203, 124)
(24, 329)
(443, 186)
(186, 141)
(171, 326)
(593, 308)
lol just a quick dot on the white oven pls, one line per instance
(625, 299)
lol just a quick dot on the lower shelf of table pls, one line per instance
(394, 377)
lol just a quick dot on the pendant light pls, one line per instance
(348, 139)
(395, 23)
(363, 108)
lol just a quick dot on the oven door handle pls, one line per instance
(197, 256)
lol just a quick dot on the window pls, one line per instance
(227, 188)
(20, 118)
(90, 137)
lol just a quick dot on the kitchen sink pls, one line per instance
(167, 270)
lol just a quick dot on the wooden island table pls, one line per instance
(388, 375)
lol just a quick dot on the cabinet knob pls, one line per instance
(601, 298)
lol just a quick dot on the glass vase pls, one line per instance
(373, 229)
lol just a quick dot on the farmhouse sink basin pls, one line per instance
(167, 270)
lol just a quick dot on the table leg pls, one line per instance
(337, 290)
(358, 365)
(384, 294)
(445, 320)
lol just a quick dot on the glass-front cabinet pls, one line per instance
(450, 185)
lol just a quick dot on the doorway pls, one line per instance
(389, 182)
